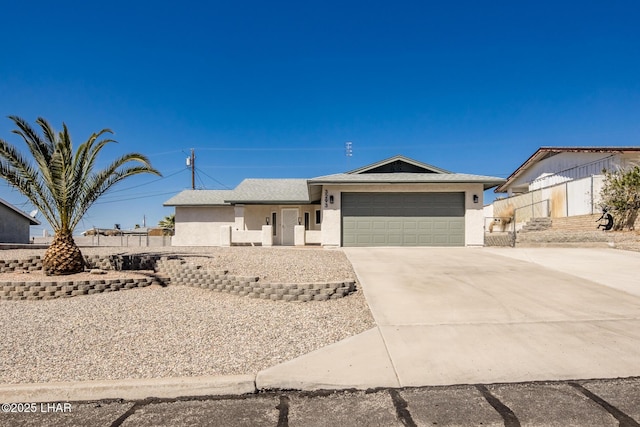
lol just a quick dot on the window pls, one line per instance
(273, 222)
(318, 217)
(306, 220)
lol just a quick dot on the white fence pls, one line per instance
(312, 237)
(264, 237)
(246, 236)
(133, 240)
(579, 197)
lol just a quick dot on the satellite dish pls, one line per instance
(33, 213)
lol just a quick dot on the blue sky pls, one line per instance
(275, 89)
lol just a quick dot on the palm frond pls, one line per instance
(60, 183)
(99, 183)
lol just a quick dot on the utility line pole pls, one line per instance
(191, 163)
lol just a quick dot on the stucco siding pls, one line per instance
(14, 228)
(200, 226)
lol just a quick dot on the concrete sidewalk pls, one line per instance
(469, 316)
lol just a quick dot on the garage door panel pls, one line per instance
(409, 219)
(440, 240)
(366, 226)
(425, 226)
(379, 239)
(410, 225)
(458, 226)
(378, 225)
(393, 225)
(410, 239)
(348, 224)
(394, 239)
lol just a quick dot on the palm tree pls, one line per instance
(168, 224)
(62, 184)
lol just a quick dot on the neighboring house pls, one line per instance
(14, 224)
(561, 181)
(394, 202)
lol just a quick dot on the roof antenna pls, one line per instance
(348, 151)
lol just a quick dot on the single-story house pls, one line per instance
(561, 181)
(395, 202)
(14, 224)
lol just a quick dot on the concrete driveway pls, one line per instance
(479, 315)
(465, 315)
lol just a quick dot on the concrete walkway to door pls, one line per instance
(475, 315)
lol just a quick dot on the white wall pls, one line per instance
(200, 226)
(567, 166)
(332, 221)
(577, 197)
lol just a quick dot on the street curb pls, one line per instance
(128, 389)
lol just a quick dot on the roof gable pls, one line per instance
(398, 164)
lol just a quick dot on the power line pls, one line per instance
(109, 198)
(199, 178)
(210, 177)
(266, 149)
(136, 198)
(147, 183)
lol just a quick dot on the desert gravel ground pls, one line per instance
(178, 330)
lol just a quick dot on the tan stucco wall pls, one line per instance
(331, 218)
(200, 226)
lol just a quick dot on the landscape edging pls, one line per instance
(171, 270)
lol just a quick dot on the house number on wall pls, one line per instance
(326, 198)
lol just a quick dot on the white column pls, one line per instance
(267, 235)
(239, 215)
(225, 235)
(298, 235)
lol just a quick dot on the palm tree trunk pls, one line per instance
(63, 256)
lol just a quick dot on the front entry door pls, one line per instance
(289, 221)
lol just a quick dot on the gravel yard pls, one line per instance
(178, 330)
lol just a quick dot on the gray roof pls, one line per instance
(270, 191)
(407, 178)
(32, 221)
(199, 198)
(254, 191)
(303, 191)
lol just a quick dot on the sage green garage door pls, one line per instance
(403, 219)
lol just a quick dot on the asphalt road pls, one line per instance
(582, 403)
